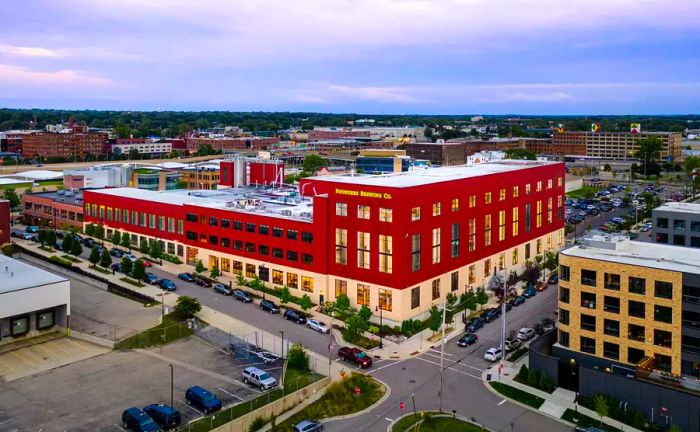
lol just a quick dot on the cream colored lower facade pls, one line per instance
(397, 303)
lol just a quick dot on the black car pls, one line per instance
(223, 289)
(291, 314)
(269, 306)
(202, 399)
(491, 314)
(243, 296)
(88, 242)
(518, 300)
(473, 325)
(202, 282)
(467, 339)
(116, 253)
(186, 277)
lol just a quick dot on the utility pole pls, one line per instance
(171, 387)
(282, 378)
(503, 320)
(442, 353)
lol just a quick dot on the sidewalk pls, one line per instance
(555, 404)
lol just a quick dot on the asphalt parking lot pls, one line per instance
(90, 395)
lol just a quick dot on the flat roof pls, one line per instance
(17, 275)
(75, 198)
(436, 175)
(622, 250)
(680, 207)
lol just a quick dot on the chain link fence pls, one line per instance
(159, 335)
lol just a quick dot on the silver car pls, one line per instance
(259, 378)
(318, 326)
(308, 426)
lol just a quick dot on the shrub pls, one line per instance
(373, 329)
(522, 374)
(305, 302)
(354, 326)
(94, 256)
(127, 265)
(285, 296)
(365, 313)
(407, 327)
(342, 302)
(139, 270)
(532, 378)
(257, 424)
(187, 307)
(297, 358)
(545, 383)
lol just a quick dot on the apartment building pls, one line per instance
(677, 224)
(58, 209)
(439, 153)
(78, 143)
(611, 145)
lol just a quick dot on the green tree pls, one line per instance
(143, 247)
(342, 302)
(313, 162)
(154, 249)
(199, 268)
(435, 319)
(214, 273)
(691, 164)
(354, 327)
(365, 313)
(127, 265)
(648, 151)
(187, 307)
(522, 373)
(607, 167)
(451, 298)
(470, 300)
(532, 378)
(122, 131)
(298, 359)
(240, 280)
(50, 238)
(126, 242)
(99, 232)
(105, 259)
(305, 302)
(481, 296)
(67, 243)
(12, 197)
(522, 154)
(545, 384)
(90, 230)
(75, 247)
(94, 257)
(116, 237)
(601, 406)
(41, 236)
(285, 296)
(139, 270)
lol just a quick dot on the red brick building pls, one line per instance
(325, 134)
(400, 242)
(4, 221)
(227, 143)
(78, 143)
(53, 209)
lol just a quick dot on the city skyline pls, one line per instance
(379, 57)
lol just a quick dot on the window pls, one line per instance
(385, 254)
(539, 186)
(341, 287)
(528, 189)
(250, 227)
(564, 295)
(307, 237)
(611, 304)
(363, 250)
(415, 214)
(539, 214)
(695, 226)
(264, 273)
(436, 245)
(487, 198)
(678, 240)
(213, 221)
(472, 235)
(636, 309)
(385, 215)
(679, 224)
(277, 232)
(362, 294)
(292, 256)
(637, 285)
(514, 257)
(454, 281)
(515, 221)
(516, 191)
(341, 209)
(471, 274)
(549, 210)
(472, 201)
(415, 252)
(237, 245)
(611, 350)
(635, 332)
(341, 246)
(455, 204)
(560, 181)
(487, 268)
(307, 259)
(587, 345)
(292, 234)
(564, 273)
(550, 183)
(663, 314)
(663, 289)
(45, 320)
(225, 223)
(502, 194)
(213, 240)
(250, 270)
(501, 225)
(612, 281)
(238, 225)
(487, 230)
(588, 300)
(264, 229)
(663, 362)
(662, 338)
(436, 289)
(501, 261)
(250, 247)
(362, 212)
(455, 240)
(695, 242)
(415, 297)
(277, 253)
(237, 267)
(564, 316)
(588, 277)
(190, 217)
(661, 222)
(635, 355)
(436, 209)
(588, 322)
(662, 238)
(278, 277)
(385, 299)
(292, 280)
(563, 338)
(527, 251)
(307, 284)
(19, 326)
(528, 218)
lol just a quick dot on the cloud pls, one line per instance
(23, 51)
(11, 75)
(374, 94)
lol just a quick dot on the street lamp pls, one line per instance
(381, 322)
(282, 378)
(171, 387)
(260, 270)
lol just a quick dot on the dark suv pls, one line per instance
(202, 282)
(137, 420)
(165, 416)
(291, 314)
(269, 306)
(243, 296)
(202, 399)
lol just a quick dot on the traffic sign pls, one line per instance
(330, 347)
(402, 406)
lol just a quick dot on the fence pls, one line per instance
(159, 335)
(98, 329)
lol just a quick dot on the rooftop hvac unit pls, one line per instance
(305, 215)
(286, 212)
(61, 192)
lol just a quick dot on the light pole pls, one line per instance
(282, 378)
(260, 269)
(442, 354)
(171, 386)
(381, 322)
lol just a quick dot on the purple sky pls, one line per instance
(367, 56)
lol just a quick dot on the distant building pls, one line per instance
(485, 156)
(378, 132)
(319, 134)
(32, 301)
(78, 143)
(611, 145)
(438, 153)
(141, 176)
(228, 143)
(147, 147)
(4, 221)
(204, 177)
(677, 224)
(154, 179)
(11, 141)
(382, 164)
(58, 209)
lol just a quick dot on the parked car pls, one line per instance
(355, 356)
(317, 325)
(27, 236)
(202, 282)
(308, 426)
(467, 339)
(493, 354)
(32, 229)
(187, 277)
(553, 279)
(291, 314)
(137, 420)
(167, 285)
(147, 263)
(473, 325)
(525, 334)
(269, 306)
(258, 378)
(89, 242)
(243, 296)
(645, 228)
(166, 416)
(116, 253)
(150, 278)
(618, 220)
(541, 286)
(512, 344)
(489, 315)
(529, 292)
(131, 257)
(223, 289)
(116, 267)
(203, 399)
(518, 300)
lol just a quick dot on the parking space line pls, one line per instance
(79, 346)
(190, 407)
(119, 427)
(231, 394)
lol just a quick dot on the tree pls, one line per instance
(435, 319)
(522, 154)
(342, 302)
(12, 197)
(365, 312)
(313, 162)
(522, 373)
(187, 307)
(122, 131)
(545, 383)
(126, 242)
(305, 302)
(94, 256)
(75, 247)
(99, 232)
(154, 249)
(105, 259)
(285, 296)
(481, 297)
(143, 247)
(469, 300)
(607, 167)
(496, 282)
(451, 298)
(691, 164)
(139, 270)
(214, 273)
(240, 280)
(354, 327)
(199, 268)
(90, 230)
(67, 243)
(41, 236)
(50, 238)
(116, 237)
(134, 154)
(601, 406)
(127, 265)
(649, 151)
(298, 359)
(532, 378)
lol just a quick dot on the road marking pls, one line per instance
(7, 421)
(388, 419)
(382, 367)
(432, 355)
(502, 402)
(119, 427)
(450, 368)
(188, 406)
(231, 394)
(438, 351)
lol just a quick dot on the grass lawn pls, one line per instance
(517, 394)
(132, 282)
(435, 424)
(171, 326)
(585, 421)
(339, 399)
(584, 192)
(70, 258)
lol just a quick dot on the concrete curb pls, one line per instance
(458, 417)
(381, 400)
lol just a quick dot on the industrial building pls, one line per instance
(611, 145)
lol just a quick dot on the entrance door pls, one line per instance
(213, 262)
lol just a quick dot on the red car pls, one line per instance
(147, 263)
(355, 356)
(541, 286)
